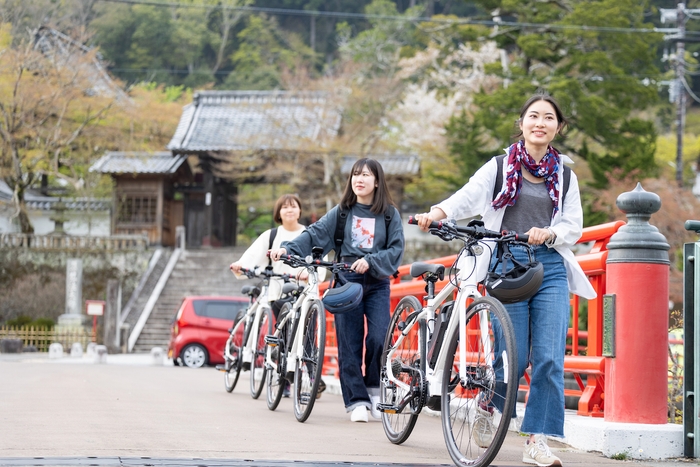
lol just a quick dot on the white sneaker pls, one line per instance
(538, 453)
(359, 414)
(376, 413)
(483, 430)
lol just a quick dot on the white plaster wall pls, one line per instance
(79, 223)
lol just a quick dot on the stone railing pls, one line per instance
(73, 242)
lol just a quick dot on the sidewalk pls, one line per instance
(71, 411)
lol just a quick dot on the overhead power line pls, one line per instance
(412, 19)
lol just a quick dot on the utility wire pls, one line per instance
(687, 88)
(339, 14)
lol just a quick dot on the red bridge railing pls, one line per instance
(585, 358)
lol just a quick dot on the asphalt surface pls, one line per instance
(129, 412)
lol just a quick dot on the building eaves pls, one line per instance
(138, 163)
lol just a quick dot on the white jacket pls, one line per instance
(475, 198)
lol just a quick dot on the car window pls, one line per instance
(218, 309)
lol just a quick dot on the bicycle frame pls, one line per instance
(301, 307)
(254, 312)
(466, 278)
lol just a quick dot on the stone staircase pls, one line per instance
(197, 272)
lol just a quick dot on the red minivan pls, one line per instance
(200, 329)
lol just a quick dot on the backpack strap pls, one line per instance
(499, 179)
(499, 176)
(273, 234)
(339, 235)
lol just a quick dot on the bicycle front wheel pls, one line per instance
(403, 404)
(258, 372)
(307, 373)
(477, 405)
(234, 344)
(276, 380)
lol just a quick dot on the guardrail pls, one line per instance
(584, 360)
(71, 242)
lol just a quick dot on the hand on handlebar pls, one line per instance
(235, 268)
(537, 236)
(360, 266)
(424, 220)
(275, 255)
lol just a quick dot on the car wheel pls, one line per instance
(194, 356)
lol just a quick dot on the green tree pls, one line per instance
(604, 80)
(264, 54)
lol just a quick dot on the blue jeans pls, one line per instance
(541, 324)
(350, 331)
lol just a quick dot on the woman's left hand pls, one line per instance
(538, 236)
(360, 266)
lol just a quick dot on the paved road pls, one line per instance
(75, 412)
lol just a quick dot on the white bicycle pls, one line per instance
(296, 349)
(245, 347)
(457, 359)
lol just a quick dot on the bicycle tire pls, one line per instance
(398, 426)
(308, 368)
(473, 428)
(234, 343)
(258, 372)
(276, 379)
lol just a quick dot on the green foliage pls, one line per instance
(264, 54)
(601, 79)
(21, 320)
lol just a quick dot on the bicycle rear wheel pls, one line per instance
(234, 344)
(477, 408)
(402, 405)
(307, 373)
(258, 372)
(276, 380)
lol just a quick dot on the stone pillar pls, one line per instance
(73, 316)
(110, 320)
(636, 315)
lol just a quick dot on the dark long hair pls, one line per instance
(541, 96)
(382, 198)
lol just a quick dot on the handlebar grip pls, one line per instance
(522, 237)
(433, 224)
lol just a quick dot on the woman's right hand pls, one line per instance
(275, 255)
(425, 219)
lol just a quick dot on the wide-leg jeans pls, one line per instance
(541, 324)
(350, 334)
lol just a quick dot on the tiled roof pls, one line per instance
(242, 120)
(138, 163)
(393, 164)
(37, 201)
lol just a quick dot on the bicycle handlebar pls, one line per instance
(265, 272)
(476, 231)
(297, 261)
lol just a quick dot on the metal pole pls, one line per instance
(680, 110)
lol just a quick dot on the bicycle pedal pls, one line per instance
(387, 408)
(246, 366)
(221, 368)
(272, 341)
(304, 399)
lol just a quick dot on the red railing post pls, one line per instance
(637, 283)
